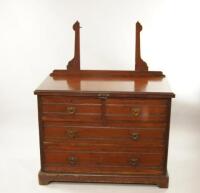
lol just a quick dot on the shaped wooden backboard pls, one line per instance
(73, 67)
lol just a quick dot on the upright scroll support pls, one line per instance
(140, 65)
(74, 64)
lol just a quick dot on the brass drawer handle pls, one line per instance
(71, 133)
(135, 136)
(134, 162)
(71, 110)
(72, 160)
(135, 112)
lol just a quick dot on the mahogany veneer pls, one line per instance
(112, 127)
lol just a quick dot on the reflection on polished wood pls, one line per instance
(156, 86)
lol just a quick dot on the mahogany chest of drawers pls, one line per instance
(104, 126)
(104, 130)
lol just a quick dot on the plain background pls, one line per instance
(36, 37)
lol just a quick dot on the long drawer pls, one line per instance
(124, 124)
(101, 146)
(105, 135)
(103, 163)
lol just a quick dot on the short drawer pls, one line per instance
(71, 109)
(137, 101)
(103, 163)
(63, 108)
(84, 117)
(64, 112)
(136, 110)
(69, 100)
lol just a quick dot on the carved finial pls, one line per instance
(76, 26)
(74, 64)
(140, 65)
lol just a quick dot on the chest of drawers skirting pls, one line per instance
(104, 130)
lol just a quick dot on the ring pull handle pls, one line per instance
(72, 160)
(71, 110)
(135, 136)
(134, 162)
(135, 112)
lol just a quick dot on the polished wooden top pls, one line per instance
(121, 85)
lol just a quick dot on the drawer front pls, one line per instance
(86, 109)
(72, 118)
(117, 124)
(61, 108)
(69, 100)
(71, 109)
(136, 110)
(137, 101)
(105, 135)
(103, 163)
(99, 146)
